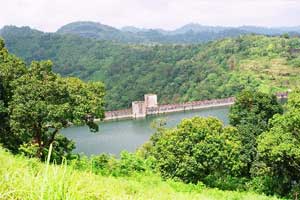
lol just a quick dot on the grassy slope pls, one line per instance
(24, 179)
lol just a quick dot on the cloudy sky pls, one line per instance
(49, 15)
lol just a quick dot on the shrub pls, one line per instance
(104, 164)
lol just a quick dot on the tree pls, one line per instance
(232, 62)
(255, 108)
(43, 103)
(196, 148)
(250, 114)
(294, 100)
(11, 68)
(285, 35)
(278, 150)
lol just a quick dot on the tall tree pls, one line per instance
(43, 103)
(11, 68)
(279, 153)
(251, 113)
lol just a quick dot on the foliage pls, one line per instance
(227, 182)
(29, 179)
(256, 108)
(11, 68)
(198, 147)
(177, 73)
(293, 100)
(278, 150)
(127, 165)
(250, 114)
(36, 104)
(43, 103)
(295, 62)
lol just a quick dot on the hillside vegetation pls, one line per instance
(28, 179)
(258, 150)
(177, 73)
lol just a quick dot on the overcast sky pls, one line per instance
(49, 15)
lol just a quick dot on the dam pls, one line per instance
(142, 109)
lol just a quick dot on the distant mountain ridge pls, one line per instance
(188, 34)
(197, 28)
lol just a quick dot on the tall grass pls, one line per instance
(28, 179)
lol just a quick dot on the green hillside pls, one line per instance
(97, 31)
(177, 73)
(188, 34)
(258, 151)
(28, 179)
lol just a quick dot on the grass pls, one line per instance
(28, 179)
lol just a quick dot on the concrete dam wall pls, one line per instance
(141, 109)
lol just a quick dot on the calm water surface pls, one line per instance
(115, 136)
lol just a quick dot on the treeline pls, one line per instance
(176, 73)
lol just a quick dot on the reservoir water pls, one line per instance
(116, 136)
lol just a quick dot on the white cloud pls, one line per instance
(48, 15)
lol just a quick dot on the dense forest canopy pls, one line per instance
(177, 73)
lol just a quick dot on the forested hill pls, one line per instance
(187, 34)
(99, 31)
(176, 73)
